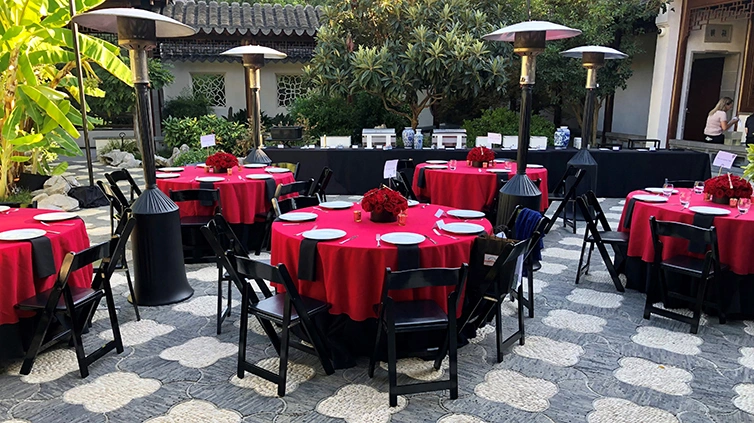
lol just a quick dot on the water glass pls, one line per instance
(743, 205)
(685, 198)
(452, 164)
(667, 190)
(698, 187)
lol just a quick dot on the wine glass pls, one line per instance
(698, 187)
(667, 190)
(452, 164)
(685, 198)
(743, 206)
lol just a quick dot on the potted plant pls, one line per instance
(222, 161)
(384, 204)
(480, 157)
(722, 188)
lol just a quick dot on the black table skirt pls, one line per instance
(737, 290)
(356, 171)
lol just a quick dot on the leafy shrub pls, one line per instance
(195, 155)
(187, 105)
(505, 122)
(230, 136)
(126, 145)
(280, 119)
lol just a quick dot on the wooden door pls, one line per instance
(704, 92)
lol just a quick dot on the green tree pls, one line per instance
(409, 53)
(36, 60)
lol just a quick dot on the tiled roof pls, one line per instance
(244, 18)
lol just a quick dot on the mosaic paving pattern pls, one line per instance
(589, 356)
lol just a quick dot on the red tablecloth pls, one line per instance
(467, 187)
(17, 281)
(242, 199)
(350, 276)
(734, 234)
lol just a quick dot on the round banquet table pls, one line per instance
(350, 276)
(734, 236)
(469, 187)
(18, 282)
(242, 199)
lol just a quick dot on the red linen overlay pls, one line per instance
(350, 276)
(242, 199)
(17, 281)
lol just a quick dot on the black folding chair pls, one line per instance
(702, 271)
(280, 206)
(293, 167)
(226, 246)
(319, 188)
(594, 236)
(419, 316)
(72, 307)
(400, 184)
(530, 263)
(565, 192)
(193, 246)
(287, 310)
(123, 175)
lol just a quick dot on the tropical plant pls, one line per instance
(195, 155)
(37, 117)
(187, 105)
(504, 121)
(408, 53)
(228, 135)
(749, 168)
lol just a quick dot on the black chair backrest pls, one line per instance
(424, 278)
(204, 195)
(535, 236)
(505, 272)
(693, 234)
(599, 214)
(123, 175)
(405, 164)
(110, 195)
(251, 269)
(298, 187)
(293, 167)
(318, 189)
(560, 188)
(400, 184)
(682, 183)
(302, 188)
(223, 249)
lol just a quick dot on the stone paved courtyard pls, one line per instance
(589, 356)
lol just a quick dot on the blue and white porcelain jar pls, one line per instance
(562, 137)
(408, 137)
(418, 140)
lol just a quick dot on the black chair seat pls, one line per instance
(611, 237)
(195, 220)
(39, 301)
(273, 307)
(688, 265)
(424, 313)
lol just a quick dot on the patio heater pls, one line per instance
(253, 57)
(593, 58)
(529, 39)
(159, 272)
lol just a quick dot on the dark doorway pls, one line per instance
(704, 92)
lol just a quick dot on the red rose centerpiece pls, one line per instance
(222, 161)
(384, 204)
(480, 157)
(724, 187)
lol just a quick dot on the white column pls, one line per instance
(669, 25)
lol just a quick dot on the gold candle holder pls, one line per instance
(402, 219)
(230, 171)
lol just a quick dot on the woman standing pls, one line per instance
(717, 121)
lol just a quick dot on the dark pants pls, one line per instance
(714, 139)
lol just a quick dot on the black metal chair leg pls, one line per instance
(531, 292)
(36, 344)
(243, 332)
(392, 364)
(499, 330)
(453, 355)
(131, 291)
(283, 371)
(581, 261)
(375, 351)
(610, 268)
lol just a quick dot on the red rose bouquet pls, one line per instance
(384, 199)
(222, 160)
(730, 186)
(481, 154)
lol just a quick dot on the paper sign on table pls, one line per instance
(391, 169)
(440, 224)
(724, 159)
(207, 140)
(494, 138)
(439, 213)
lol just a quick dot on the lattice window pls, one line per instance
(211, 86)
(289, 87)
(738, 9)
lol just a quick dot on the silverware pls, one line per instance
(378, 237)
(430, 239)
(291, 224)
(313, 228)
(425, 206)
(346, 240)
(442, 234)
(240, 178)
(322, 210)
(64, 224)
(53, 232)
(739, 214)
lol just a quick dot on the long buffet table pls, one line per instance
(356, 171)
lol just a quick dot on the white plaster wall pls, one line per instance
(631, 104)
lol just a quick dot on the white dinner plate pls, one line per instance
(658, 190)
(4, 209)
(466, 214)
(437, 166)
(170, 169)
(534, 166)
(463, 228)
(336, 205)
(201, 165)
(277, 170)
(54, 217)
(167, 175)
(499, 170)
(21, 234)
(298, 217)
(437, 161)
(324, 234)
(715, 211)
(210, 179)
(259, 176)
(411, 203)
(403, 238)
(503, 160)
(255, 165)
(651, 198)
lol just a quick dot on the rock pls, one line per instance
(39, 197)
(73, 181)
(58, 202)
(56, 185)
(160, 161)
(119, 159)
(176, 152)
(185, 148)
